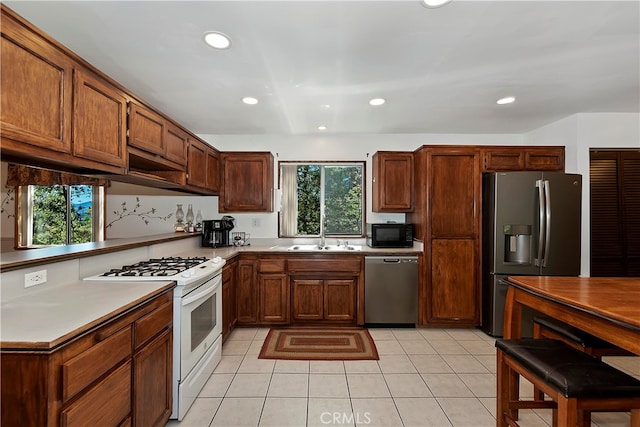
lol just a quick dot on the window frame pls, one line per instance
(24, 216)
(362, 164)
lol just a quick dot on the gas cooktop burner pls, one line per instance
(169, 266)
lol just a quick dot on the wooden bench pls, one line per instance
(547, 327)
(576, 383)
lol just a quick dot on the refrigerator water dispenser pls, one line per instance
(517, 243)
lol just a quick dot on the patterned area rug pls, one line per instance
(319, 344)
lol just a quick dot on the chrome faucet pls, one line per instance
(323, 226)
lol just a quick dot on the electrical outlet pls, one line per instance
(35, 278)
(255, 222)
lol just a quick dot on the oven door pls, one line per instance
(200, 322)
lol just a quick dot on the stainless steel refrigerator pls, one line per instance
(531, 227)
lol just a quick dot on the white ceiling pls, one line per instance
(441, 70)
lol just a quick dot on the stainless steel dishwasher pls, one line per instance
(391, 290)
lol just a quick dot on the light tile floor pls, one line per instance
(425, 377)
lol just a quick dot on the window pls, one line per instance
(311, 191)
(60, 214)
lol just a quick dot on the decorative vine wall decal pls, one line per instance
(137, 211)
(7, 205)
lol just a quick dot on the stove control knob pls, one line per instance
(188, 273)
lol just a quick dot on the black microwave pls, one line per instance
(390, 235)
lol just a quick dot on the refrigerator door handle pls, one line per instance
(541, 219)
(547, 224)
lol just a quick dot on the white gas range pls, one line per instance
(197, 318)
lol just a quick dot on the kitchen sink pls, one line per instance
(325, 248)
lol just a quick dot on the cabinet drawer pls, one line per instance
(272, 266)
(152, 323)
(107, 404)
(85, 368)
(329, 266)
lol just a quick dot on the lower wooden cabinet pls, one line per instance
(247, 291)
(229, 309)
(118, 374)
(326, 300)
(152, 373)
(274, 298)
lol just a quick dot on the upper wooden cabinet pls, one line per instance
(155, 143)
(36, 88)
(54, 112)
(99, 120)
(146, 129)
(203, 167)
(502, 159)
(392, 181)
(247, 182)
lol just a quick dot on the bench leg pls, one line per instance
(567, 412)
(502, 395)
(635, 418)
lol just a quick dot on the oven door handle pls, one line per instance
(191, 298)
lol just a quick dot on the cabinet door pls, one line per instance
(229, 312)
(213, 170)
(108, 403)
(274, 298)
(152, 376)
(339, 300)
(453, 294)
(36, 82)
(247, 291)
(99, 120)
(453, 185)
(307, 299)
(146, 129)
(392, 181)
(176, 141)
(197, 163)
(496, 160)
(247, 182)
(545, 159)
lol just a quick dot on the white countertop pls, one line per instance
(47, 318)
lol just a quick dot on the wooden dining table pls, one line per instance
(608, 308)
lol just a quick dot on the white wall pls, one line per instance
(580, 133)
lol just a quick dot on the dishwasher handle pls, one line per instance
(390, 260)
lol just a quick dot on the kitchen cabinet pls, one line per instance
(325, 290)
(153, 366)
(99, 120)
(502, 159)
(117, 373)
(247, 184)
(447, 219)
(392, 181)
(55, 112)
(247, 290)
(203, 166)
(229, 311)
(156, 145)
(274, 291)
(37, 88)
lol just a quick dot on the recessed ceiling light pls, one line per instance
(249, 100)
(217, 40)
(506, 100)
(327, 106)
(322, 127)
(434, 3)
(377, 101)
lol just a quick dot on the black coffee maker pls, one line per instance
(215, 232)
